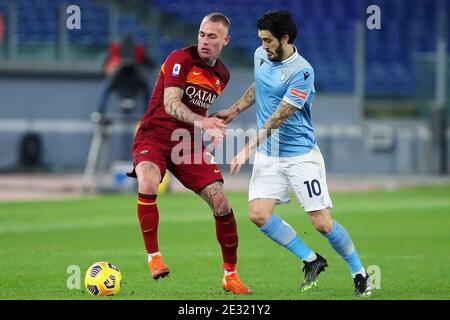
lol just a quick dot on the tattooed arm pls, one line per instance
(246, 101)
(176, 108)
(284, 111)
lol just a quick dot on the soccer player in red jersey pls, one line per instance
(189, 81)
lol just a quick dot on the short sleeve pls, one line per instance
(300, 87)
(175, 69)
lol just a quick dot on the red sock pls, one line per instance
(226, 232)
(148, 219)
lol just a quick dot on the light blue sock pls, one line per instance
(283, 234)
(340, 241)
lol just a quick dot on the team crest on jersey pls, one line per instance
(176, 69)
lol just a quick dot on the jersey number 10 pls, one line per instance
(313, 188)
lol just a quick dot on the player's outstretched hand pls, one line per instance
(226, 115)
(235, 166)
(238, 161)
(214, 128)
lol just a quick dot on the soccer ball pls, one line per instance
(103, 279)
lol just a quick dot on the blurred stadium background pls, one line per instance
(381, 115)
(381, 111)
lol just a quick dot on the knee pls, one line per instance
(219, 203)
(148, 184)
(222, 207)
(322, 221)
(257, 216)
(323, 227)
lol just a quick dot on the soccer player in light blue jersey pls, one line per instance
(287, 154)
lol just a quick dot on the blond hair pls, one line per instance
(217, 17)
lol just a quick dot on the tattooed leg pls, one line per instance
(226, 228)
(149, 176)
(214, 195)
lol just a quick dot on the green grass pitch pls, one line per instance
(406, 233)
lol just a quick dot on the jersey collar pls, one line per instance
(294, 55)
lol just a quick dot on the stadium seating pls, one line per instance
(38, 24)
(326, 33)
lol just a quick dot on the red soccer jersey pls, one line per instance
(201, 83)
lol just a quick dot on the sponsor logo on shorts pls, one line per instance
(216, 171)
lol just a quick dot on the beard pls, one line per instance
(278, 55)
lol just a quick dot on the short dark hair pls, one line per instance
(279, 23)
(218, 17)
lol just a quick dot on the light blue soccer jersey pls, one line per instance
(291, 80)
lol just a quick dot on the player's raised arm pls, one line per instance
(300, 87)
(283, 111)
(281, 114)
(246, 101)
(175, 107)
